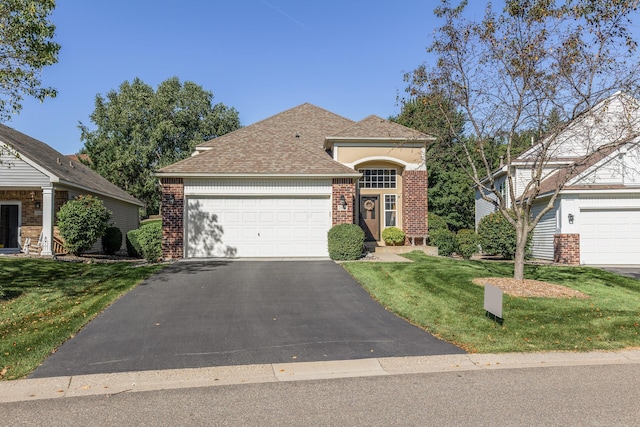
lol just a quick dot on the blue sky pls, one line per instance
(259, 56)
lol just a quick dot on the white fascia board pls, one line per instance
(631, 190)
(496, 174)
(528, 163)
(378, 141)
(255, 175)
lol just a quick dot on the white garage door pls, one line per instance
(610, 237)
(258, 226)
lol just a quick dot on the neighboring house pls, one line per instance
(36, 180)
(596, 217)
(275, 188)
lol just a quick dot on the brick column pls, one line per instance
(347, 188)
(414, 205)
(566, 249)
(172, 211)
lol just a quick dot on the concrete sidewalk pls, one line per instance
(129, 382)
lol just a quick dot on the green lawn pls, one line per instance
(436, 294)
(43, 303)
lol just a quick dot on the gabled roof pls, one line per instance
(578, 167)
(258, 154)
(288, 143)
(60, 168)
(306, 123)
(374, 127)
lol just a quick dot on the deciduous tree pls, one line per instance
(139, 129)
(536, 65)
(26, 47)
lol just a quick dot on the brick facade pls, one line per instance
(414, 206)
(172, 211)
(31, 217)
(566, 249)
(347, 188)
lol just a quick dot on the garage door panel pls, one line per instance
(610, 236)
(258, 227)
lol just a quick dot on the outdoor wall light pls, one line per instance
(570, 218)
(171, 199)
(343, 202)
(38, 205)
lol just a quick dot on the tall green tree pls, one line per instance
(451, 193)
(26, 47)
(533, 65)
(139, 129)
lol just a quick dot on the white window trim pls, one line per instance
(384, 201)
(395, 184)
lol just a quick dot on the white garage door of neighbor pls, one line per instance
(610, 237)
(258, 227)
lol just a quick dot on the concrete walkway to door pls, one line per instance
(205, 314)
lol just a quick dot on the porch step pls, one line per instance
(379, 247)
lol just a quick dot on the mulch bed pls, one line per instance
(530, 288)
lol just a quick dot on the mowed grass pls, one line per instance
(46, 302)
(437, 294)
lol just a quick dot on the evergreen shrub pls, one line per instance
(345, 242)
(111, 240)
(393, 236)
(467, 242)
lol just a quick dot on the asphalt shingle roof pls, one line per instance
(377, 127)
(289, 143)
(68, 171)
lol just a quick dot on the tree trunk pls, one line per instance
(521, 246)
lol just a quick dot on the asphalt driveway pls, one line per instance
(201, 314)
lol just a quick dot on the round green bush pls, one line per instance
(393, 236)
(445, 240)
(150, 240)
(498, 236)
(81, 222)
(111, 240)
(436, 222)
(133, 247)
(467, 242)
(345, 242)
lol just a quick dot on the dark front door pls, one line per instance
(370, 217)
(8, 226)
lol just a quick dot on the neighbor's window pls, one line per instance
(377, 178)
(390, 210)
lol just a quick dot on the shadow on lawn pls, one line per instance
(22, 275)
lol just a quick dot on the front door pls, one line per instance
(8, 226)
(370, 217)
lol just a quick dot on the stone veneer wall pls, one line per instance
(172, 218)
(414, 206)
(31, 224)
(347, 188)
(566, 249)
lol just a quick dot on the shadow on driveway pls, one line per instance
(201, 314)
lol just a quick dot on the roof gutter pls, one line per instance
(255, 175)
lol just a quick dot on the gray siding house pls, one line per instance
(36, 180)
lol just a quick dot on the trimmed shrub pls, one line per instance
(111, 240)
(436, 222)
(345, 242)
(393, 236)
(81, 222)
(498, 236)
(133, 247)
(149, 238)
(445, 240)
(467, 242)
